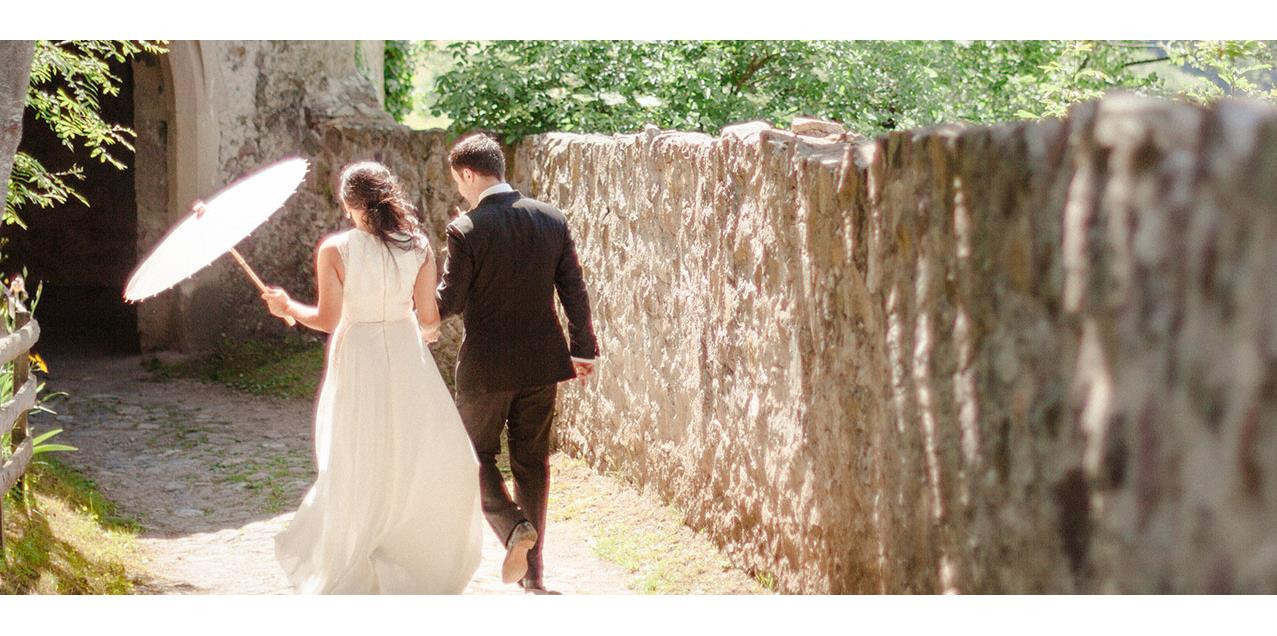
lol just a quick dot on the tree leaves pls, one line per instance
(521, 87)
(400, 65)
(68, 79)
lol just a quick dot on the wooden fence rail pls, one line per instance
(15, 347)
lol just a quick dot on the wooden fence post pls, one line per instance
(21, 369)
(15, 347)
(4, 331)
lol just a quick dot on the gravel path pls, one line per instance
(212, 474)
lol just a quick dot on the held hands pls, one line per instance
(430, 333)
(277, 301)
(583, 369)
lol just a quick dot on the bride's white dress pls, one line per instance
(395, 509)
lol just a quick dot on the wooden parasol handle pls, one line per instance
(256, 281)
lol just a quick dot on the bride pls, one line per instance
(395, 508)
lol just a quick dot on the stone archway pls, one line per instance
(176, 163)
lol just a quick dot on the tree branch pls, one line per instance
(1150, 61)
(754, 66)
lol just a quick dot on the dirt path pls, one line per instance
(212, 474)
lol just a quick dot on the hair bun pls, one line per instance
(370, 186)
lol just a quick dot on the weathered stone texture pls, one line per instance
(1037, 357)
(153, 121)
(15, 65)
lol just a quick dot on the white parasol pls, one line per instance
(215, 229)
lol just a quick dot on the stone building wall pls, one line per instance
(1035, 357)
(254, 103)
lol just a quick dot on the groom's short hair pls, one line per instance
(480, 153)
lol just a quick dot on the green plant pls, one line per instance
(766, 579)
(400, 64)
(39, 443)
(15, 294)
(1077, 71)
(68, 80)
(1234, 68)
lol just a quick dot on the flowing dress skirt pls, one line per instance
(395, 508)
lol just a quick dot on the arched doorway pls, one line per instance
(176, 163)
(85, 254)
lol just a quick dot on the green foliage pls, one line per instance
(523, 87)
(400, 64)
(30, 182)
(434, 60)
(1238, 68)
(39, 443)
(67, 539)
(526, 87)
(1070, 71)
(68, 80)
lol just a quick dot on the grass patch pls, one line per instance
(291, 368)
(645, 537)
(265, 479)
(66, 538)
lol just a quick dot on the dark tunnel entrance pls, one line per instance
(82, 255)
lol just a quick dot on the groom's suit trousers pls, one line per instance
(527, 413)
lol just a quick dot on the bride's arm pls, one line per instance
(423, 297)
(328, 279)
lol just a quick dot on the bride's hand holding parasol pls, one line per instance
(277, 303)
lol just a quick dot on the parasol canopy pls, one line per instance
(207, 233)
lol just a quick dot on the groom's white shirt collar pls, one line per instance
(496, 189)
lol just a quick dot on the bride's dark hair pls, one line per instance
(369, 186)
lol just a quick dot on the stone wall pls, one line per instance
(256, 102)
(1037, 357)
(15, 64)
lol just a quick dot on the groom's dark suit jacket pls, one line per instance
(506, 259)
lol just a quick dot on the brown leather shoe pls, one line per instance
(521, 540)
(535, 587)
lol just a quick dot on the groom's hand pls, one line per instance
(583, 369)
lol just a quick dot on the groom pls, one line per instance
(507, 257)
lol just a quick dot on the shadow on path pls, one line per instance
(212, 474)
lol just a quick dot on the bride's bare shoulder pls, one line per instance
(332, 246)
(333, 242)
